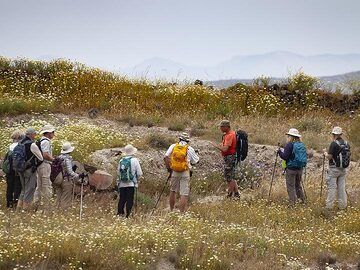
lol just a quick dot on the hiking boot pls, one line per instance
(229, 195)
(237, 196)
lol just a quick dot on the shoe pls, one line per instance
(237, 196)
(229, 195)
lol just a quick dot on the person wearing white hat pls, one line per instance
(178, 160)
(129, 173)
(295, 156)
(339, 159)
(44, 185)
(65, 181)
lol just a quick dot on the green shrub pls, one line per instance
(177, 126)
(159, 141)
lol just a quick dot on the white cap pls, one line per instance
(294, 132)
(47, 129)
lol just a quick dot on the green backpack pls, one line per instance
(7, 163)
(125, 174)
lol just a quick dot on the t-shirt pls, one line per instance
(135, 171)
(46, 147)
(334, 150)
(192, 157)
(229, 139)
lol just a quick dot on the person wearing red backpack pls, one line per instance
(339, 160)
(178, 160)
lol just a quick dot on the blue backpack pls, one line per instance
(125, 174)
(19, 162)
(299, 159)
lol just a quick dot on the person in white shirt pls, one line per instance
(129, 173)
(44, 185)
(178, 160)
(28, 177)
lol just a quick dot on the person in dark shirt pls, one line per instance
(336, 174)
(293, 171)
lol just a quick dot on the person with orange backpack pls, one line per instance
(178, 160)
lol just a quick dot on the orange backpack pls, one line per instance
(178, 159)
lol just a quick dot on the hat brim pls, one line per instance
(294, 135)
(129, 153)
(184, 139)
(47, 131)
(67, 151)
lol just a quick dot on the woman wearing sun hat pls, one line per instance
(64, 182)
(129, 172)
(294, 154)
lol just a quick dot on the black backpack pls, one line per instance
(241, 145)
(342, 160)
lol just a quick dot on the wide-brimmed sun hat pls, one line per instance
(294, 132)
(129, 150)
(337, 131)
(67, 148)
(47, 129)
(184, 137)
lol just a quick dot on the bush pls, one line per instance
(159, 141)
(177, 126)
(311, 124)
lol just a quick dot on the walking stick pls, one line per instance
(273, 174)
(81, 197)
(303, 184)
(157, 202)
(322, 177)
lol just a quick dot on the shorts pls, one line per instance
(229, 167)
(179, 183)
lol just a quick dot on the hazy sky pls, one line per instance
(117, 33)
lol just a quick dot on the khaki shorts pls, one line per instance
(180, 183)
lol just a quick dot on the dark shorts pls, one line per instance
(229, 167)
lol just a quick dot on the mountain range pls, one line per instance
(275, 64)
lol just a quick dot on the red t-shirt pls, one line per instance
(229, 139)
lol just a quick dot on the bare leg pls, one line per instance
(172, 200)
(183, 203)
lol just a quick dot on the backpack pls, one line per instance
(7, 166)
(242, 145)
(343, 158)
(178, 159)
(56, 168)
(299, 159)
(19, 162)
(125, 174)
(38, 144)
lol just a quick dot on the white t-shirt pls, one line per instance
(135, 170)
(192, 157)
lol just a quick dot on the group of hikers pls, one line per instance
(28, 166)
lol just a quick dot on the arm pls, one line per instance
(192, 156)
(221, 147)
(68, 168)
(286, 154)
(167, 157)
(36, 151)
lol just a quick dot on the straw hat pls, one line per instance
(337, 131)
(67, 148)
(129, 150)
(294, 132)
(184, 137)
(47, 129)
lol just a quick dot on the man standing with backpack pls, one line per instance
(44, 185)
(228, 151)
(178, 160)
(339, 160)
(25, 157)
(13, 184)
(295, 155)
(129, 173)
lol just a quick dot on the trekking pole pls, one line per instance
(157, 202)
(81, 197)
(322, 177)
(303, 184)
(273, 174)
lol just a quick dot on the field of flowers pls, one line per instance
(251, 234)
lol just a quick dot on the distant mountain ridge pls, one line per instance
(274, 64)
